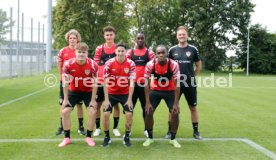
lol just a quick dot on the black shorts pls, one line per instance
(100, 94)
(61, 95)
(77, 97)
(157, 96)
(190, 94)
(115, 99)
(139, 93)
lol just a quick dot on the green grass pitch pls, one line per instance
(245, 110)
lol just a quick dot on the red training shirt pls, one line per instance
(98, 58)
(119, 75)
(174, 68)
(81, 76)
(140, 69)
(65, 54)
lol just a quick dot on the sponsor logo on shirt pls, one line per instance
(183, 61)
(87, 71)
(175, 54)
(73, 70)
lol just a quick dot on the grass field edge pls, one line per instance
(249, 142)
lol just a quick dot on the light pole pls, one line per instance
(247, 57)
(49, 38)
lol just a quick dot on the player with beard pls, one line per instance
(187, 55)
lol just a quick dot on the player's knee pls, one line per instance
(175, 116)
(149, 114)
(66, 112)
(92, 110)
(79, 106)
(193, 108)
(106, 114)
(128, 114)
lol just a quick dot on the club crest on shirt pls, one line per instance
(87, 71)
(126, 70)
(188, 54)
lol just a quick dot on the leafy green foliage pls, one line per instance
(209, 24)
(3, 25)
(89, 17)
(262, 51)
(214, 27)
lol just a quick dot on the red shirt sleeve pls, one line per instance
(148, 70)
(107, 68)
(132, 73)
(175, 69)
(128, 54)
(98, 54)
(94, 69)
(65, 71)
(60, 56)
(151, 55)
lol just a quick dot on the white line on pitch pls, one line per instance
(20, 98)
(260, 148)
(244, 140)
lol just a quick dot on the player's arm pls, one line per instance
(176, 96)
(65, 82)
(147, 90)
(95, 87)
(60, 68)
(176, 77)
(128, 54)
(151, 55)
(105, 85)
(147, 86)
(97, 55)
(106, 97)
(60, 62)
(129, 102)
(132, 76)
(198, 66)
(170, 53)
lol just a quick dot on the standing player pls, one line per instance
(187, 55)
(166, 76)
(119, 74)
(73, 38)
(141, 56)
(81, 73)
(102, 54)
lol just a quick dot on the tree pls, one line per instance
(262, 49)
(89, 17)
(209, 23)
(3, 26)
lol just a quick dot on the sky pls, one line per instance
(37, 9)
(264, 12)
